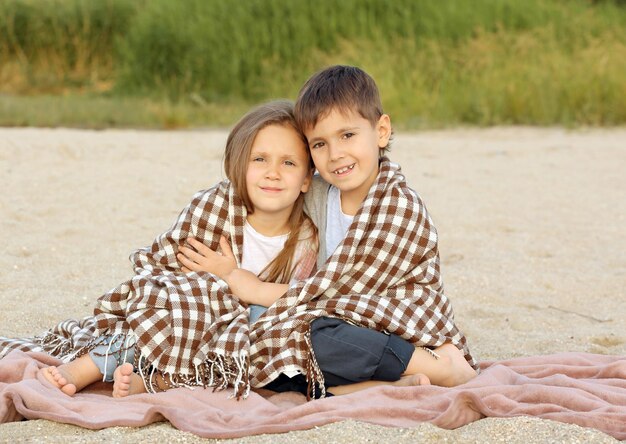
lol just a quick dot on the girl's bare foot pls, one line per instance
(61, 379)
(126, 382)
(73, 376)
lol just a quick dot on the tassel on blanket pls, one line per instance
(314, 375)
(64, 341)
(55, 345)
(430, 352)
(217, 371)
(63, 348)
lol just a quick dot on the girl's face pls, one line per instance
(278, 170)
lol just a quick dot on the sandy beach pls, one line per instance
(532, 226)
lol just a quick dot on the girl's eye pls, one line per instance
(289, 163)
(257, 159)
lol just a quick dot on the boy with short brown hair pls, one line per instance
(340, 112)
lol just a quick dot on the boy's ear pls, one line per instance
(384, 130)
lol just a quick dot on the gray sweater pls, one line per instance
(315, 201)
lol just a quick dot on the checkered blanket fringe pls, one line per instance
(64, 340)
(385, 276)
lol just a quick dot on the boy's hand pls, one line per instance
(205, 259)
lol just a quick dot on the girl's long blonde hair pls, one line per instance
(236, 161)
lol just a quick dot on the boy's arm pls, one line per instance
(252, 290)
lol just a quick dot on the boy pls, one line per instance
(340, 112)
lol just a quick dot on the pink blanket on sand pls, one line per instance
(584, 389)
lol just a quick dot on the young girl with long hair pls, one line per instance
(271, 243)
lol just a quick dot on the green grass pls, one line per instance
(160, 63)
(98, 112)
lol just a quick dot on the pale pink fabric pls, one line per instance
(584, 389)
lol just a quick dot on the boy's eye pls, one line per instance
(348, 135)
(317, 145)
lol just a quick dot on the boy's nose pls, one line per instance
(335, 152)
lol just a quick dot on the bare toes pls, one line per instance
(69, 389)
(49, 374)
(421, 379)
(122, 378)
(54, 376)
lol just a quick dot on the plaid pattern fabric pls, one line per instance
(188, 326)
(63, 340)
(384, 276)
(185, 325)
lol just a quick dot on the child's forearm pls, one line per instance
(251, 290)
(267, 293)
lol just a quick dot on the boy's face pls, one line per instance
(345, 148)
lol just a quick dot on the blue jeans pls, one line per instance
(111, 353)
(255, 312)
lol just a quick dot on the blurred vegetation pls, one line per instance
(204, 62)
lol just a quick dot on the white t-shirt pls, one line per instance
(259, 250)
(337, 223)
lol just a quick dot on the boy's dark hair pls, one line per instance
(339, 87)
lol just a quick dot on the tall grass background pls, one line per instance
(203, 62)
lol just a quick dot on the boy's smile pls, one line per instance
(345, 148)
(344, 170)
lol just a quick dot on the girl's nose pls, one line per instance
(272, 172)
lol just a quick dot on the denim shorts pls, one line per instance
(255, 312)
(347, 354)
(112, 352)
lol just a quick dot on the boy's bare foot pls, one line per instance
(61, 379)
(126, 382)
(412, 380)
(458, 369)
(448, 369)
(404, 381)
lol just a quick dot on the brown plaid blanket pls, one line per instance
(384, 276)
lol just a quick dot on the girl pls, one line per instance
(268, 169)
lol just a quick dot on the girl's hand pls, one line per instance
(202, 258)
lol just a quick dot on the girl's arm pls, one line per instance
(243, 284)
(252, 290)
